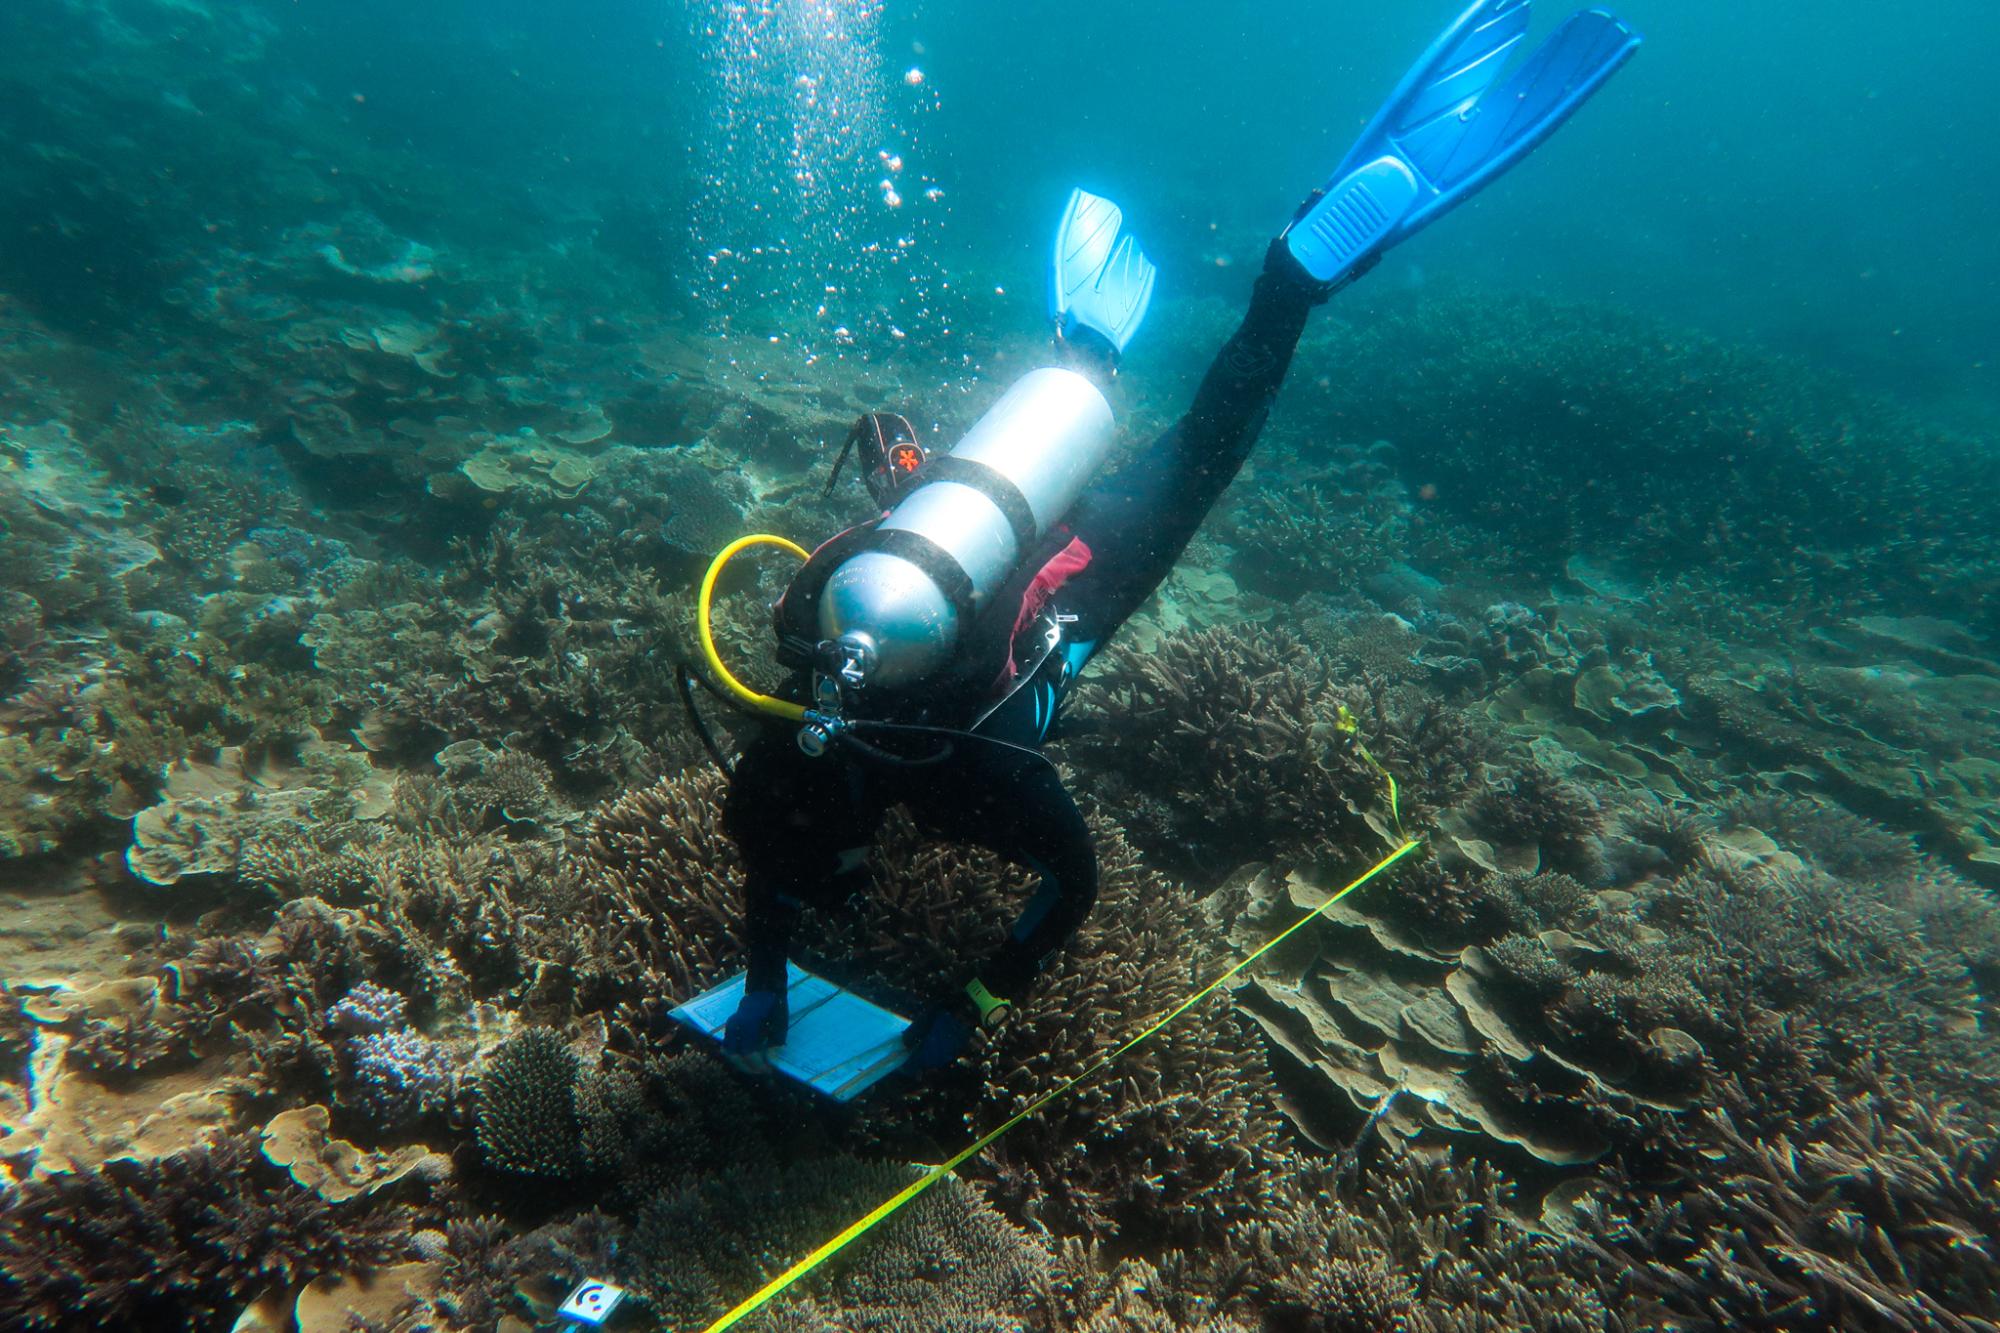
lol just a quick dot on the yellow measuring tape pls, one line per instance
(861, 1226)
(1350, 726)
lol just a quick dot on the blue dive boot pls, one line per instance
(1448, 129)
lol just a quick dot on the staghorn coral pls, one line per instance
(271, 995)
(665, 881)
(1878, 1216)
(1836, 840)
(1138, 1297)
(527, 1106)
(1426, 1245)
(1241, 741)
(181, 1242)
(1679, 832)
(1330, 529)
(1535, 806)
(128, 1048)
(544, 633)
(1852, 961)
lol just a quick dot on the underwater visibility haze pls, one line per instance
(1436, 773)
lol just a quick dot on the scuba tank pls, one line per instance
(890, 603)
(893, 611)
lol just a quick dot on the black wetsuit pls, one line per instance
(804, 824)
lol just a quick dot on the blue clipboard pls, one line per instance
(839, 1044)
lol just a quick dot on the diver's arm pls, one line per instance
(768, 918)
(1025, 815)
(763, 1015)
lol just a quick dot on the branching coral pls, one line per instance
(1429, 1245)
(665, 880)
(1534, 806)
(1185, 1127)
(182, 1242)
(1862, 969)
(1179, 1138)
(547, 635)
(1836, 840)
(1880, 1216)
(273, 994)
(527, 1106)
(1562, 427)
(1252, 753)
(1329, 529)
(947, 1261)
(400, 1076)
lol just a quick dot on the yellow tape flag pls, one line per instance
(862, 1225)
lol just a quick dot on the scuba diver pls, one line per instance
(932, 648)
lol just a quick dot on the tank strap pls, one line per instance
(995, 486)
(942, 567)
(796, 616)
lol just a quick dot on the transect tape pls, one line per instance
(862, 1225)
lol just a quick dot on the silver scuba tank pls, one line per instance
(954, 539)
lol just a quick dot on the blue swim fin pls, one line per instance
(1100, 280)
(1452, 126)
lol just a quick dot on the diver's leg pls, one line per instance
(1137, 521)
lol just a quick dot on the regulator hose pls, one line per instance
(749, 698)
(791, 712)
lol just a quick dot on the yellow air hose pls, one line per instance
(763, 703)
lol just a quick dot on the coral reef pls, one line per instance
(1193, 1108)
(1875, 1216)
(946, 1261)
(527, 1105)
(401, 1076)
(1226, 744)
(1653, 443)
(369, 1009)
(182, 1242)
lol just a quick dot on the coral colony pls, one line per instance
(355, 844)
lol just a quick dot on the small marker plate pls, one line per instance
(592, 1302)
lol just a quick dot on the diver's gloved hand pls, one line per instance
(939, 1035)
(935, 1040)
(758, 1024)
